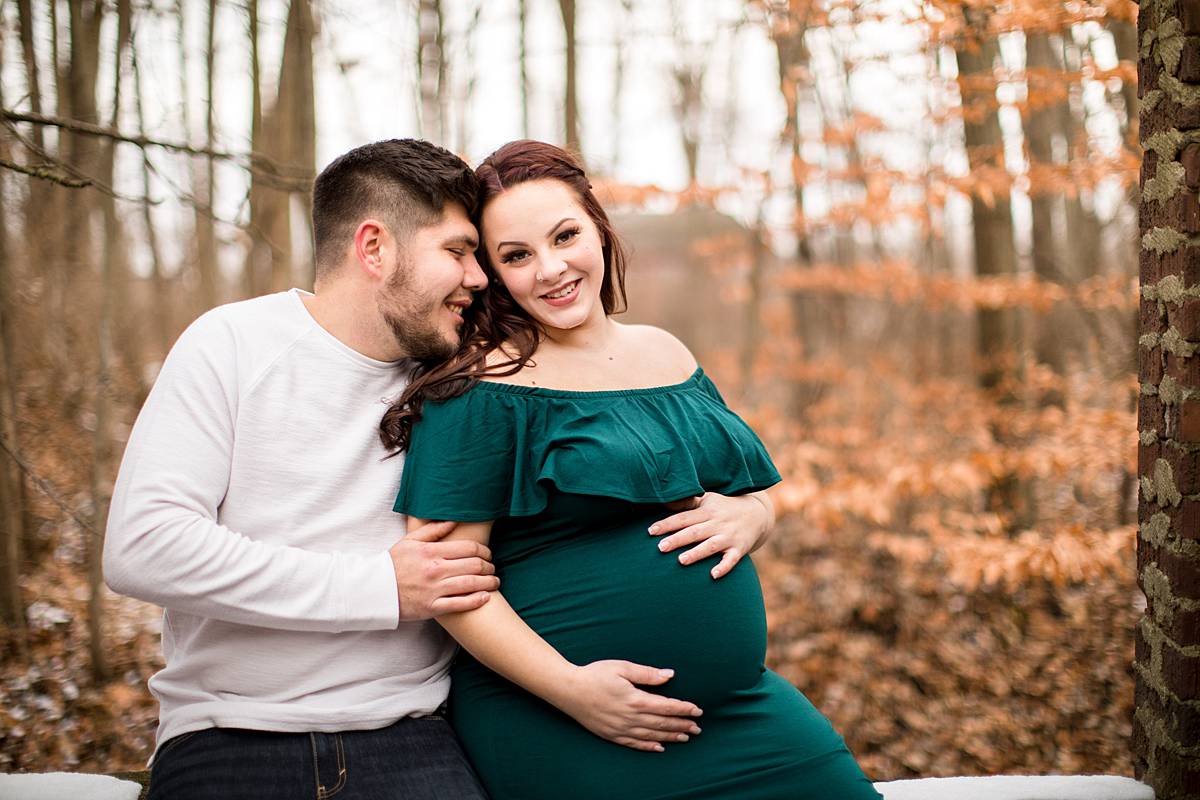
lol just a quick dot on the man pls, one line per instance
(254, 504)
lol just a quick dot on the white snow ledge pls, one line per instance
(1018, 787)
(66, 786)
(73, 786)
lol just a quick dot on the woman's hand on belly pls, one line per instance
(604, 697)
(732, 526)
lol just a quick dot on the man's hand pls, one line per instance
(435, 577)
(604, 698)
(715, 523)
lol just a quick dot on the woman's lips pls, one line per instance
(566, 299)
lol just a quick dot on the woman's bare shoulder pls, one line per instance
(503, 356)
(662, 347)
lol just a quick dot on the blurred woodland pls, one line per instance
(927, 308)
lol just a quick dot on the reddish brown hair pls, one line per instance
(498, 319)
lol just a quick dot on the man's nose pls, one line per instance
(473, 275)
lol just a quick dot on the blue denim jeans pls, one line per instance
(413, 759)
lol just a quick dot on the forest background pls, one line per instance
(901, 235)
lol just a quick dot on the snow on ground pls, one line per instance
(1018, 787)
(72, 786)
(66, 786)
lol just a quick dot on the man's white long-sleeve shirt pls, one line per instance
(254, 504)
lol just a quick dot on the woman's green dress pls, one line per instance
(573, 480)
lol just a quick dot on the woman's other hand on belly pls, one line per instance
(604, 697)
(714, 523)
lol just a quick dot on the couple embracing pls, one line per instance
(451, 442)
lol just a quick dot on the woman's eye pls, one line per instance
(513, 255)
(566, 235)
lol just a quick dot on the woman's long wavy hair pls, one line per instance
(498, 319)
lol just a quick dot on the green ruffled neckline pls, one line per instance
(538, 391)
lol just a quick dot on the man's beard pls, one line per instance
(410, 316)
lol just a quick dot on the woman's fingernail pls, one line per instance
(653, 529)
(716, 573)
(695, 730)
(667, 673)
(683, 737)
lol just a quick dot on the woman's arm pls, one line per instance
(602, 696)
(733, 526)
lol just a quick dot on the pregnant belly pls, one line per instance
(612, 595)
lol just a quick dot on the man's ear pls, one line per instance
(369, 247)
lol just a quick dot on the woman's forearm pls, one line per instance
(500, 640)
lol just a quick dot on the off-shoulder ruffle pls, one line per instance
(498, 449)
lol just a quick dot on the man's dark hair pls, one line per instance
(405, 183)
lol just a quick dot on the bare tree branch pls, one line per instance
(290, 178)
(48, 489)
(46, 173)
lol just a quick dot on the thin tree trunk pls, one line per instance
(12, 609)
(623, 13)
(110, 285)
(995, 249)
(258, 247)
(304, 154)
(463, 115)
(206, 235)
(161, 303)
(688, 75)
(788, 29)
(291, 130)
(431, 69)
(570, 98)
(1039, 135)
(523, 62)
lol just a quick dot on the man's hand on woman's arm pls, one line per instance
(441, 577)
(714, 523)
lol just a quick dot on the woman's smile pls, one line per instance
(563, 295)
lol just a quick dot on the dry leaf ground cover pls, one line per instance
(937, 642)
(920, 678)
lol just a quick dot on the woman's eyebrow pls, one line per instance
(557, 224)
(550, 232)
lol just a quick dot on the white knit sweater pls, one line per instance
(254, 505)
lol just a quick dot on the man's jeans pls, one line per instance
(414, 759)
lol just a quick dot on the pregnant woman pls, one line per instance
(556, 435)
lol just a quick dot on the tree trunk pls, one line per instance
(431, 69)
(523, 62)
(297, 81)
(810, 317)
(570, 99)
(688, 75)
(1167, 691)
(160, 310)
(208, 294)
(1040, 129)
(291, 135)
(12, 609)
(258, 255)
(995, 250)
(110, 286)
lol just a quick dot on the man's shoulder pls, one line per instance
(263, 320)
(240, 335)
